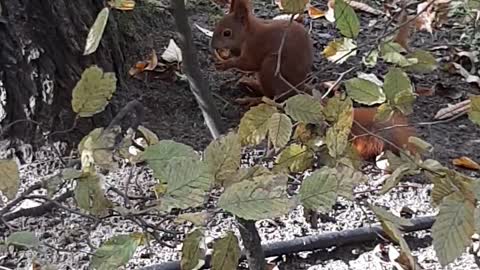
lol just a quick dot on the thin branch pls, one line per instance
(340, 78)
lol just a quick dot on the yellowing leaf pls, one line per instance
(262, 197)
(226, 253)
(279, 130)
(304, 108)
(9, 178)
(93, 91)
(339, 51)
(319, 190)
(346, 20)
(97, 148)
(295, 158)
(453, 228)
(223, 157)
(116, 251)
(149, 64)
(337, 135)
(96, 31)
(90, 196)
(293, 6)
(425, 62)
(253, 126)
(198, 219)
(364, 91)
(474, 111)
(173, 53)
(315, 13)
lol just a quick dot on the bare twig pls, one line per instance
(340, 78)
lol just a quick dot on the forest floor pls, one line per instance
(172, 113)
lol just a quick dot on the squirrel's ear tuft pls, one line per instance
(240, 8)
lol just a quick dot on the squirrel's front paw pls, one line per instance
(223, 65)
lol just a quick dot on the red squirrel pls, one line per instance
(250, 44)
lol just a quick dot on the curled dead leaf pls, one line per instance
(453, 110)
(466, 162)
(315, 13)
(141, 66)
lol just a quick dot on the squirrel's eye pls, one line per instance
(227, 33)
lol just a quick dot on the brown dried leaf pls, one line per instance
(364, 7)
(424, 91)
(315, 13)
(141, 66)
(466, 162)
(425, 19)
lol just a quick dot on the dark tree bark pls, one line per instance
(41, 59)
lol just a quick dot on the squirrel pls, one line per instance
(250, 44)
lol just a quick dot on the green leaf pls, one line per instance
(304, 108)
(384, 112)
(93, 91)
(338, 51)
(391, 52)
(116, 251)
(226, 253)
(384, 215)
(426, 62)
(451, 182)
(223, 157)
(474, 111)
(346, 20)
(396, 83)
(193, 250)
(404, 102)
(295, 158)
(395, 178)
(24, 239)
(158, 156)
(96, 31)
(294, 6)
(279, 130)
(347, 179)
(188, 183)
(9, 178)
(253, 126)
(261, 197)
(90, 196)
(319, 190)
(421, 145)
(453, 228)
(364, 91)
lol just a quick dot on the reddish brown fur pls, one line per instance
(370, 146)
(257, 42)
(254, 44)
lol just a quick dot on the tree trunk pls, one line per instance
(41, 59)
